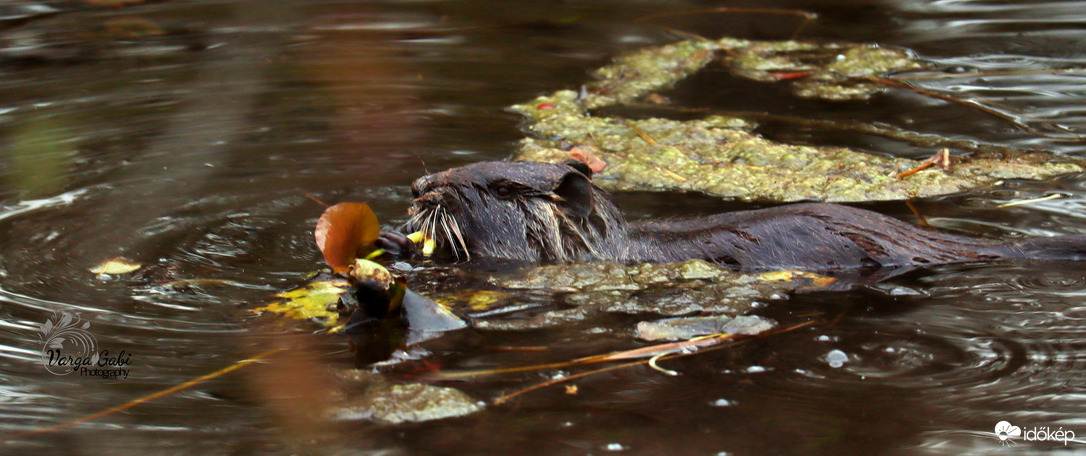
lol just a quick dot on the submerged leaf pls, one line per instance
(342, 230)
(314, 301)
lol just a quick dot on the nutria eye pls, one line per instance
(502, 190)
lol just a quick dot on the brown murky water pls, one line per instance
(183, 135)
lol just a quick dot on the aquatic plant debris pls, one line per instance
(831, 71)
(363, 288)
(327, 298)
(372, 397)
(689, 327)
(315, 301)
(828, 71)
(722, 156)
(693, 287)
(588, 290)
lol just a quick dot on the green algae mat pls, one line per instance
(722, 156)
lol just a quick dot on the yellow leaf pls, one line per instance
(477, 300)
(310, 302)
(366, 270)
(115, 266)
(792, 276)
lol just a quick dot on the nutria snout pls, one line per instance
(523, 210)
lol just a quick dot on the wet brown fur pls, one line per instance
(552, 213)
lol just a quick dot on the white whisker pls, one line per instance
(445, 227)
(432, 230)
(460, 238)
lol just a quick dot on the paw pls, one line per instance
(395, 243)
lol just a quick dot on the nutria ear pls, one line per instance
(576, 192)
(580, 166)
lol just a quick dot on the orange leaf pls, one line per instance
(342, 230)
(585, 155)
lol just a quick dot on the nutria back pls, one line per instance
(552, 213)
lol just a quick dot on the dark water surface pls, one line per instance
(183, 135)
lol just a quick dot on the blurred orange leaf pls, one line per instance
(584, 154)
(342, 230)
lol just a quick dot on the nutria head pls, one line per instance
(516, 210)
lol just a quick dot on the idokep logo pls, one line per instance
(1008, 433)
(67, 344)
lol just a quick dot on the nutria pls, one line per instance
(552, 213)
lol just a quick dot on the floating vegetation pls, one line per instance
(722, 156)
(670, 289)
(315, 301)
(370, 396)
(828, 71)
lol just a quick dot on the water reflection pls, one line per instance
(190, 150)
